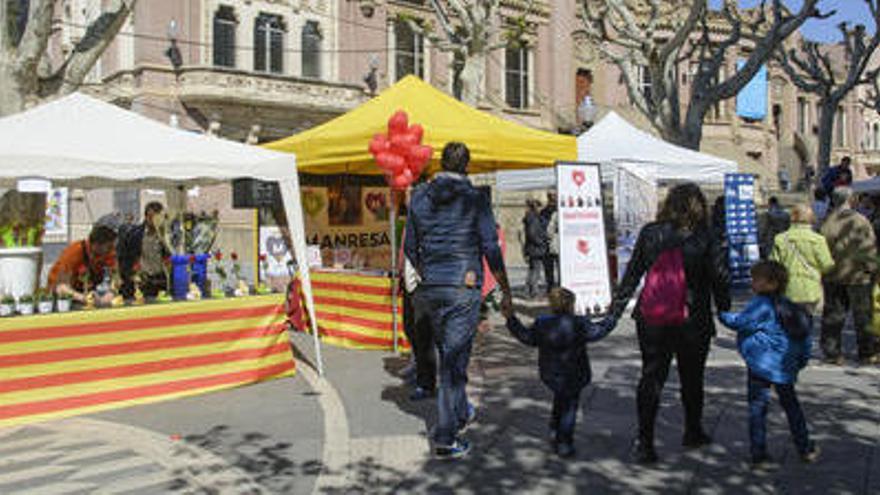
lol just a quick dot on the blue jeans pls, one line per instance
(453, 313)
(759, 399)
(564, 416)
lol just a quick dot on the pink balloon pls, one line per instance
(398, 123)
(400, 182)
(402, 143)
(384, 158)
(379, 144)
(395, 163)
(417, 131)
(420, 154)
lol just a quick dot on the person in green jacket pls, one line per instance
(806, 257)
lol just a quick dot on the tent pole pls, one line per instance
(394, 275)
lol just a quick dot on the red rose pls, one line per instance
(82, 270)
(263, 257)
(218, 256)
(136, 267)
(192, 259)
(111, 263)
(167, 260)
(234, 256)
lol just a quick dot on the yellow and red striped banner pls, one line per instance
(354, 311)
(60, 365)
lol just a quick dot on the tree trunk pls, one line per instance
(471, 77)
(828, 109)
(12, 95)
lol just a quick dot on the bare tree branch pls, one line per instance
(97, 38)
(36, 35)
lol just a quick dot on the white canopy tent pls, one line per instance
(79, 141)
(614, 142)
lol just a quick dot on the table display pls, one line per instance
(66, 364)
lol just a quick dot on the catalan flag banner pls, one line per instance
(354, 311)
(60, 365)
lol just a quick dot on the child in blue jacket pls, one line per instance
(773, 337)
(561, 340)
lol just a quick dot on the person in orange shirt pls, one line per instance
(81, 265)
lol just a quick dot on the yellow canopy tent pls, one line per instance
(340, 145)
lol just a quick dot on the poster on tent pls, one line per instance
(56, 215)
(583, 252)
(349, 224)
(635, 205)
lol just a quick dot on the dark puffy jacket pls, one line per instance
(536, 235)
(562, 348)
(705, 266)
(450, 228)
(129, 247)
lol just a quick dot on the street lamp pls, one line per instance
(173, 51)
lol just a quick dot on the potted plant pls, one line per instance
(26, 305)
(44, 302)
(62, 302)
(22, 221)
(7, 306)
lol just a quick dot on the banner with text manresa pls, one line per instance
(583, 252)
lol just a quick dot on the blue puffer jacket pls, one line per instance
(449, 229)
(769, 351)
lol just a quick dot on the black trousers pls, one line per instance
(690, 347)
(421, 339)
(551, 270)
(564, 415)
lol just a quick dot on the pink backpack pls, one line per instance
(663, 302)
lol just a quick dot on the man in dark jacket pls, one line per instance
(775, 221)
(143, 245)
(449, 231)
(534, 245)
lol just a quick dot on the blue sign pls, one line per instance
(741, 227)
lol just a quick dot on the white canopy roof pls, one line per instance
(615, 142)
(79, 140)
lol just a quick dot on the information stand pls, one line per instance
(583, 249)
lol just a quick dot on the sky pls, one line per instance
(826, 31)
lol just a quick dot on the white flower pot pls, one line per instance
(45, 307)
(7, 309)
(18, 270)
(26, 309)
(63, 305)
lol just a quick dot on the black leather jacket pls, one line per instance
(705, 266)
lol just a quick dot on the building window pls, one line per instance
(516, 81)
(802, 115)
(311, 50)
(840, 127)
(225, 24)
(457, 67)
(876, 134)
(409, 51)
(269, 44)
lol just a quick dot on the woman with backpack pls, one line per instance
(684, 269)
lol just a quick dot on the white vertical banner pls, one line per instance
(583, 251)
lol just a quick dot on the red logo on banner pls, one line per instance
(578, 177)
(583, 246)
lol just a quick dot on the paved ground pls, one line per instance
(357, 433)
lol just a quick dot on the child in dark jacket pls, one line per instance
(773, 337)
(561, 340)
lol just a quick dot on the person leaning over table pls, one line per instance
(80, 268)
(144, 244)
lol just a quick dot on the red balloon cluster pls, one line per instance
(400, 153)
